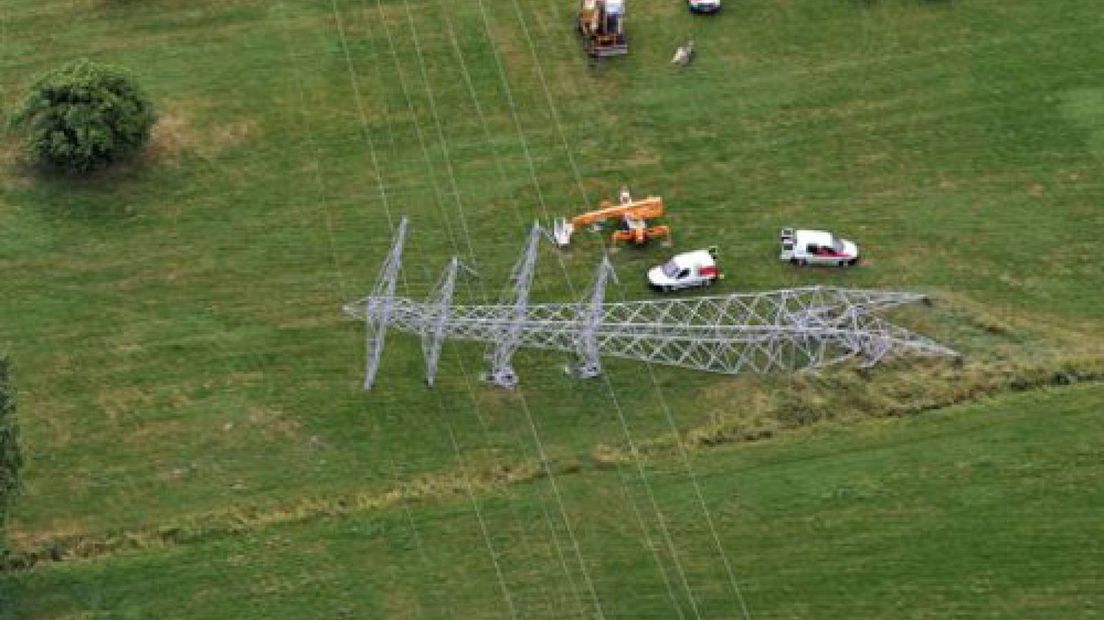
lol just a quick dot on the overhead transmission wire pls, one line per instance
(449, 429)
(691, 473)
(488, 139)
(320, 184)
(503, 180)
(404, 504)
(544, 209)
(442, 140)
(467, 234)
(460, 209)
(692, 476)
(428, 161)
(511, 104)
(536, 436)
(521, 135)
(551, 107)
(542, 454)
(466, 474)
(621, 417)
(695, 482)
(505, 591)
(524, 143)
(649, 491)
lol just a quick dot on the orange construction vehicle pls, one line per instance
(602, 27)
(633, 216)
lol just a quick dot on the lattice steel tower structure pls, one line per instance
(770, 331)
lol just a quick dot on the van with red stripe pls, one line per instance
(697, 268)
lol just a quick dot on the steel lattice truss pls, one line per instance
(781, 330)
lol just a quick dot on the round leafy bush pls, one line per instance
(85, 116)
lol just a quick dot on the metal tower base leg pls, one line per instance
(504, 377)
(587, 371)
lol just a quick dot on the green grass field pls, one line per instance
(189, 393)
(984, 511)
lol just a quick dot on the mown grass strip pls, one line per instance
(237, 520)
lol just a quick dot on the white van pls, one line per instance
(697, 268)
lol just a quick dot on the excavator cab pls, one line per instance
(633, 229)
(602, 27)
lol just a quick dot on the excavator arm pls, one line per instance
(633, 215)
(646, 209)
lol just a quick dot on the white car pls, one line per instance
(697, 268)
(704, 6)
(817, 247)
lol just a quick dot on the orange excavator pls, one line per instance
(632, 216)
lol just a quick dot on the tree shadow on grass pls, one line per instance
(101, 196)
(109, 194)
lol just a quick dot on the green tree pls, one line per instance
(85, 116)
(11, 461)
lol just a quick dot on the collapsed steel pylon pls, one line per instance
(781, 330)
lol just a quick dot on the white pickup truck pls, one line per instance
(817, 247)
(697, 268)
